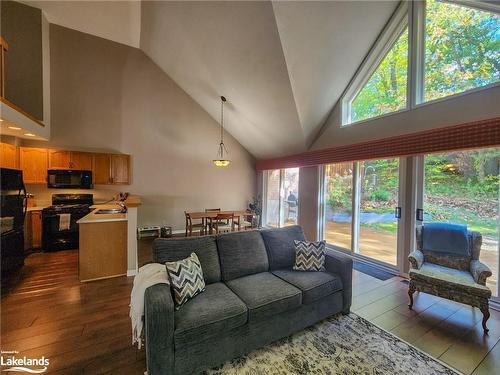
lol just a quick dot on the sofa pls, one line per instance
(252, 298)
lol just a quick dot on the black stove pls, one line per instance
(61, 232)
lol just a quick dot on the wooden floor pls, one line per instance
(85, 329)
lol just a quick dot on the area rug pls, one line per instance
(346, 345)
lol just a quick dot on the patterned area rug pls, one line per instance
(344, 345)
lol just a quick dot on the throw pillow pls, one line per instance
(309, 256)
(186, 279)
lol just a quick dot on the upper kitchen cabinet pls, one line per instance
(111, 169)
(61, 159)
(33, 162)
(9, 156)
(22, 70)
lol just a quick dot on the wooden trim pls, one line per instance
(20, 110)
(478, 134)
(4, 44)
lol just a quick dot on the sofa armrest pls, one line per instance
(416, 259)
(479, 271)
(341, 265)
(159, 325)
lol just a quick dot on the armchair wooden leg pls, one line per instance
(486, 315)
(411, 290)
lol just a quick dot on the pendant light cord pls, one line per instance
(222, 122)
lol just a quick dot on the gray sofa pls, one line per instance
(252, 298)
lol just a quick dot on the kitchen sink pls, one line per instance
(110, 211)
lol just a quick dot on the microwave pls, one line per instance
(69, 179)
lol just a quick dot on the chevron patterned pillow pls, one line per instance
(309, 256)
(186, 279)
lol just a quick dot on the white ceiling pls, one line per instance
(281, 65)
(119, 21)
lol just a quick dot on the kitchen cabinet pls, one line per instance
(120, 169)
(9, 156)
(61, 159)
(34, 164)
(33, 230)
(111, 169)
(81, 161)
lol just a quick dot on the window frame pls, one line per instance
(265, 181)
(411, 14)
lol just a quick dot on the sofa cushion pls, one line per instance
(280, 247)
(186, 279)
(449, 278)
(241, 254)
(170, 250)
(215, 310)
(265, 295)
(313, 284)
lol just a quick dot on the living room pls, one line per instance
(254, 187)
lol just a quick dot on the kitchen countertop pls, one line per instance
(36, 208)
(102, 218)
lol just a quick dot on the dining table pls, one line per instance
(210, 215)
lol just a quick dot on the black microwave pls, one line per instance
(69, 179)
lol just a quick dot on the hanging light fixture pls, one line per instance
(222, 159)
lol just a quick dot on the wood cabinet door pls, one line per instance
(36, 229)
(33, 162)
(102, 169)
(120, 169)
(81, 161)
(27, 232)
(59, 159)
(9, 156)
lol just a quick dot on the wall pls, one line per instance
(469, 107)
(308, 205)
(21, 27)
(106, 96)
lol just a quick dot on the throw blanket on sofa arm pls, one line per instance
(149, 275)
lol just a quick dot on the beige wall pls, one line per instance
(107, 96)
(308, 205)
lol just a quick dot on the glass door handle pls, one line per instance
(397, 213)
(420, 214)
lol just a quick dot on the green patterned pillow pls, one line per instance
(186, 279)
(309, 256)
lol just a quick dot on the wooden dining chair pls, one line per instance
(190, 227)
(223, 223)
(209, 221)
(245, 221)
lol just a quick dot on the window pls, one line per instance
(462, 49)
(385, 91)
(281, 191)
(451, 47)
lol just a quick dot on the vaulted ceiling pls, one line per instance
(281, 65)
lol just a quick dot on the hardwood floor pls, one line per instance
(84, 328)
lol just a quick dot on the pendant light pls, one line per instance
(222, 159)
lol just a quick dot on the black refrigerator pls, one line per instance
(13, 211)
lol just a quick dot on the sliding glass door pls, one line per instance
(281, 190)
(463, 187)
(361, 208)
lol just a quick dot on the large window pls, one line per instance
(361, 208)
(385, 91)
(462, 49)
(463, 188)
(452, 47)
(281, 205)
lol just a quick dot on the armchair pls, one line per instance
(446, 272)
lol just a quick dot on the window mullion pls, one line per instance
(416, 49)
(356, 199)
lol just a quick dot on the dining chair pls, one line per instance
(223, 223)
(190, 227)
(245, 221)
(208, 222)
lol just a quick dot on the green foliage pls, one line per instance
(380, 196)
(339, 194)
(385, 91)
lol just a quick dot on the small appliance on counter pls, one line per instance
(59, 227)
(69, 179)
(12, 212)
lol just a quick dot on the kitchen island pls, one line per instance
(108, 244)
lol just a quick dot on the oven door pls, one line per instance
(53, 238)
(69, 179)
